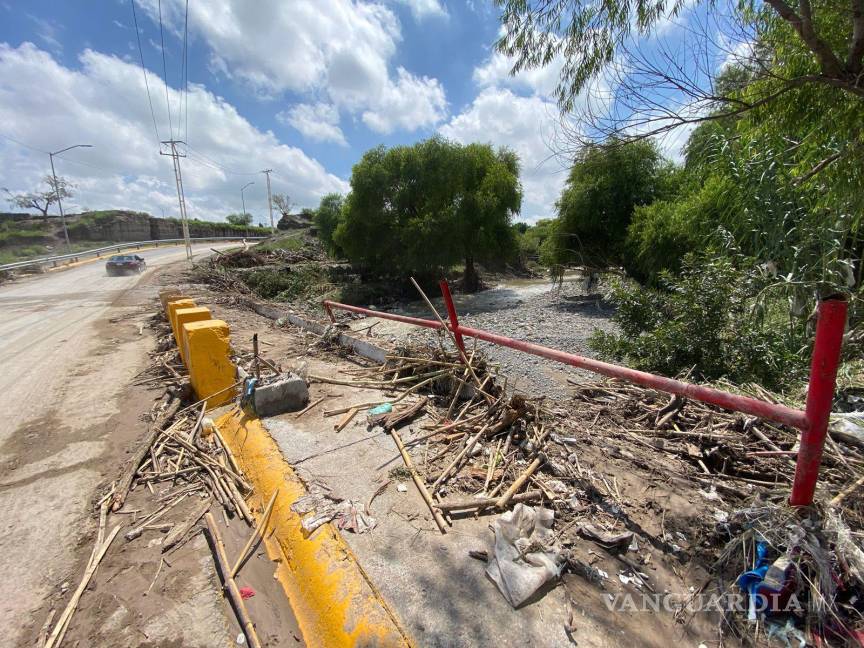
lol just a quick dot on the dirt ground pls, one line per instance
(439, 591)
(77, 340)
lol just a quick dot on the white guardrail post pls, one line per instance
(114, 249)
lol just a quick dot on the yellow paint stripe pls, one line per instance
(334, 601)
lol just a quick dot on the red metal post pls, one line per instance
(820, 395)
(451, 313)
(327, 310)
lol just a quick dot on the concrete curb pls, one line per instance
(335, 602)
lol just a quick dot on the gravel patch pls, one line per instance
(561, 319)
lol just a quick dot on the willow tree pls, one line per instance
(423, 208)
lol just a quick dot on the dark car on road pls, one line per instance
(120, 264)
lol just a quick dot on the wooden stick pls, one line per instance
(346, 419)
(227, 450)
(392, 401)
(424, 493)
(310, 406)
(73, 602)
(846, 492)
(259, 531)
(143, 449)
(458, 459)
(520, 480)
(230, 585)
(486, 502)
(177, 535)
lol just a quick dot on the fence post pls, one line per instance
(451, 314)
(327, 310)
(830, 323)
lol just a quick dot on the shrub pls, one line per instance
(704, 322)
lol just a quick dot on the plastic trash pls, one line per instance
(386, 408)
(524, 554)
(246, 593)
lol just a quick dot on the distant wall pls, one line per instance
(123, 226)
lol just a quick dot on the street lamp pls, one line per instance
(57, 189)
(242, 199)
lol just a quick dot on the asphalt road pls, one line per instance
(64, 366)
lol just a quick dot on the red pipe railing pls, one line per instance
(812, 422)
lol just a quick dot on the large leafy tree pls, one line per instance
(423, 208)
(604, 187)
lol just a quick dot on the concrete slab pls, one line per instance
(441, 594)
(289, 393)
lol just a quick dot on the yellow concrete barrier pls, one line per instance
(185, 316)
(335, 602)
(173, 306)
(169, 294)
(208, 359)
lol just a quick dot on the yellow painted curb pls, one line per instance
(334, 601)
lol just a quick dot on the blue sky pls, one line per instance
(303, 87)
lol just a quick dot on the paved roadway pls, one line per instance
(64, 366)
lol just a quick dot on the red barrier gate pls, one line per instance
(812, 421)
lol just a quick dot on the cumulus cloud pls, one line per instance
(422, 9)
(319, 122)
(49, 106)
(338, 49)
(525, 124)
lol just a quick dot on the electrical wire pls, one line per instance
(144, 70)
(165, 72)
(222, 167)
(19, 143)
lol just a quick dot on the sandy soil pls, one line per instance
(441, 593)
(71, 341)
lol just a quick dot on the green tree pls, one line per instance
(239, 219)
(422, 208)
(604, 187)
(326, 219)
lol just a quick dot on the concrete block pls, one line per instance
(289, 393)
(169, 294)
(173, 307)
(211, 372)
(184, 316)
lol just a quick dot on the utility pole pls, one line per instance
(242, 199)
(178, 178)
(57, 190)
(267, 173)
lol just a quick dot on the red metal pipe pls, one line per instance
(763, 409)
(451, 313)
(416, 321)
(830, 324)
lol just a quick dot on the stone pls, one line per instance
(288, 393)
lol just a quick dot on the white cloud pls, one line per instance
(409, 102)
(336, 49)
(319, 122)
(422, 9)
(495, 71)
(104, 103)
(526, 125)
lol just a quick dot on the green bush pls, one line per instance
(289, 284)
(706, 323)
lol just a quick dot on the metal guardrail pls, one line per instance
(134, 245)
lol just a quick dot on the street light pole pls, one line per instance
(267, 173)
(242, 199)
(57, 189)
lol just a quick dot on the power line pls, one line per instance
(220, 166)
(32, 148)
(144, 70)
(165, 72)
